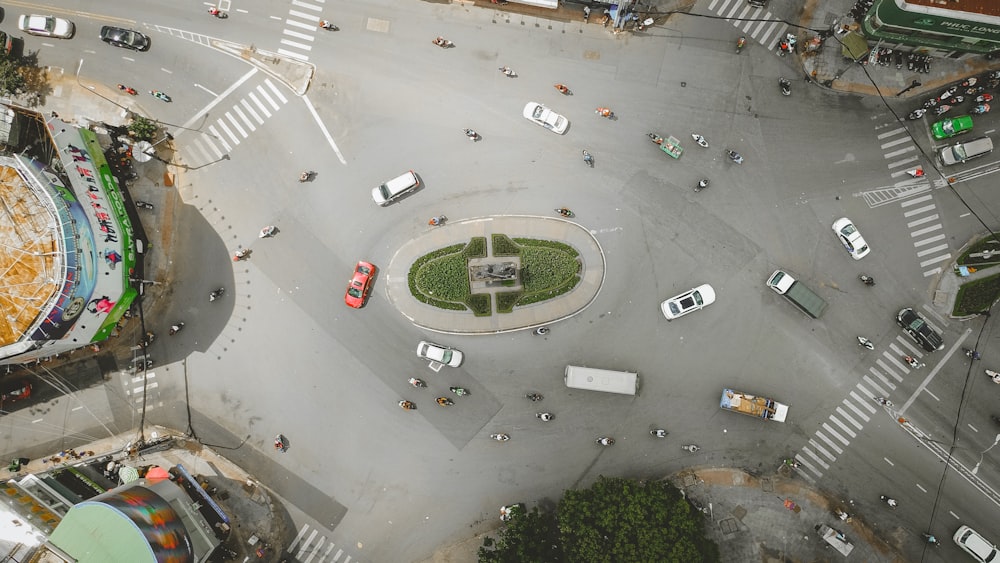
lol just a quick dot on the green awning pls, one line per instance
(855, 46)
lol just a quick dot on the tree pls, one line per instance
(141, 128)
(626, 520)
(12, 81)
(619, 520)
(528, 537)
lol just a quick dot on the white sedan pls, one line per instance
(46, 26)
(691, 300)
(545, 117)
(851, 238)
(440, 354)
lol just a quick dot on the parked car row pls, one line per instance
(61, 28)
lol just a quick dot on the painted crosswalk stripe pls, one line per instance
(849, 418)
(277, 93)
(293, 54)
(833, 432)
(274, 105)
(252, 96)
(218, 137)
(843, 427)
(228, 131)
(819, 448)
(234, 123)
(919, 210)
(250, 110)
(816, 458)
(928, 240)
(297, 35)
(914, 201)
(243, 116)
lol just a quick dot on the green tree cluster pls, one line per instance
(619, 520)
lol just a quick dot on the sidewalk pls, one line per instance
(747, 517)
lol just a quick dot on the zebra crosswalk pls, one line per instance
(321, 551)
(834, 435)
(301, 26)
(235, 124)
(756, 23)
(142, 392)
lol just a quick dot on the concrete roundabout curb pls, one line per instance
(431, 318)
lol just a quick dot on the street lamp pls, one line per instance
(912, 85)
(983, 453)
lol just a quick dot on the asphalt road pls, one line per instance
(281, 353)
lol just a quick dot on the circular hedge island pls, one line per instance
(518, 272)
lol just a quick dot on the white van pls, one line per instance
(623, 382)
(394, 188)
(960, 152)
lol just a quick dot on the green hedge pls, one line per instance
(977, 296)
(987, 243)
(507, 300)
(480, 304)
(415, 270)
(476, 248)
(503, 246)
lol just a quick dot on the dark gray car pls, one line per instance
(919, 330)
(127, 38)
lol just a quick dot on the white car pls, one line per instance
(46, 26)
(976, 545)
(440, 354)
(691, 300)
(851, 238)
(545, 117)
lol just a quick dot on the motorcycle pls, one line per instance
(540, 331)
(862, 341)
(562, 89)
(460, 391)
(786, 87)
(787, 45)
(969, 82)
(866, 279)
(947, 93)
(306, 175)
(508, 72)
(218, 13)
(984, 98)
(280, 443)
(544, 416)
(690, 448)
(931, 103)
(565, 212)
(917, 113)
(734, 156)
(973, 354)
(883, 401)
(241, 254)
(940, 110)
(418, 383)
(500, 437)
(605, 112)
(995, 376)
(143, 204)
(445, 401)
(174, 329)
(889, 500)
(216, 294)
(159, 95)
(702, 184)
(328, 26)
(437, 220)
(740, 43)
(658, 433)
(268, 231)
(471, 134)
(917, 172)
(534, 397)
(407, 406)
(127, 90)
(976, 90)
(588, 158)
(656, 138)
(148, 338)
(442, 42)
(605, 441)
(698, 139)
(913, 362)
(981, 108)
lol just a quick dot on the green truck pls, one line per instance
(797, 293)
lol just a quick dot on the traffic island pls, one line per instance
(496, 274)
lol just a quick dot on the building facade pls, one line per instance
(942, 28)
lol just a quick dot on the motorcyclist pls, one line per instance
(562, 88)
(213, 10)
(174, 329)
(565, 212)
(471, 133)
(735, 156)
(304, 176)
(534, 396)
(975, 355)
(544, 416)
(216, 294)
(541, 331)
(604, 112)
(659, 433)
(460, 391)
(883, 401)
(407, 405)
(444, 401)
(417, 382)
(606, 441)
(587, 157)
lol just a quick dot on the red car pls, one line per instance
(15, 392)
(361, 284)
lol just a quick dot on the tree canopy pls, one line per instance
(619, 520)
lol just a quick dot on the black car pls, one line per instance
(919, 330)
(126, 38)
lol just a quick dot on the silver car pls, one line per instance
(46, 26)
(440, 354)
(541, 115)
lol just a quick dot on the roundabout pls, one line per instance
(560, 239)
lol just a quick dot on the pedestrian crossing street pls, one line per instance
(857, 409)
(915, 198)
(235, 125)
(320, 552)
(767, 33)
(301, 26)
